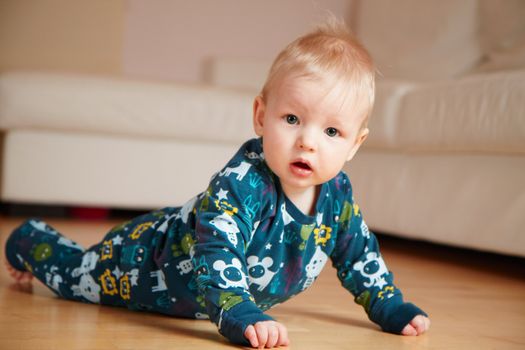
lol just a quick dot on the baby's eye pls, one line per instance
(332, 132)
(292, 119)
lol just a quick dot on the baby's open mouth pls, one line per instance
(302, 165)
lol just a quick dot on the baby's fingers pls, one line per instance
(273, 335)
(251, 335)
(267, 334)
(409, 330)
(421, 324)
(261, 328)
(283, 336)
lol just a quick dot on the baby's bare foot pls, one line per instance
(21, 277)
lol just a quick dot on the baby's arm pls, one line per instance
(362, 270)
(218, 260)
(223, 231)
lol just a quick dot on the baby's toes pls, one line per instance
(19, 276)
(14, 273)
(26, 277)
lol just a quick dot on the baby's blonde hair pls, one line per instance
(331, 51)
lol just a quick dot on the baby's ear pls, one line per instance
(361, 137)
(259, 108)
(363, 134)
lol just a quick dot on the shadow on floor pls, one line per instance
(331, 318)
(509, 266)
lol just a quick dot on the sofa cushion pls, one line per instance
(117, 106)
(384, 121)
(481, 113)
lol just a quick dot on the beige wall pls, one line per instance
(173, 39)
(65, 35)
(153, 39)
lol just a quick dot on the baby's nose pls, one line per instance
(306, 143)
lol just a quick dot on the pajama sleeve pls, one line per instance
(225, 220)
(362, 271)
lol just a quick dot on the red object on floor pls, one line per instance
(89, 213)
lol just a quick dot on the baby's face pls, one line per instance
(309, 131)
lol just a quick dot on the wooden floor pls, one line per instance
(476, 301)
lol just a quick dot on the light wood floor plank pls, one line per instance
(476, 301)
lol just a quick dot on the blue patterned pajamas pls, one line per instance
(228, 254)
(107, 272)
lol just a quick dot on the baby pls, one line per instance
(265, 226)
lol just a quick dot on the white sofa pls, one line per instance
(445, 160)
(98, 141)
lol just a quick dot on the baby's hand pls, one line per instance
(419, 325)
(267, 334)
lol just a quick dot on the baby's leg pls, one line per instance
(61, 264)
(105, 273)
(36, 249)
